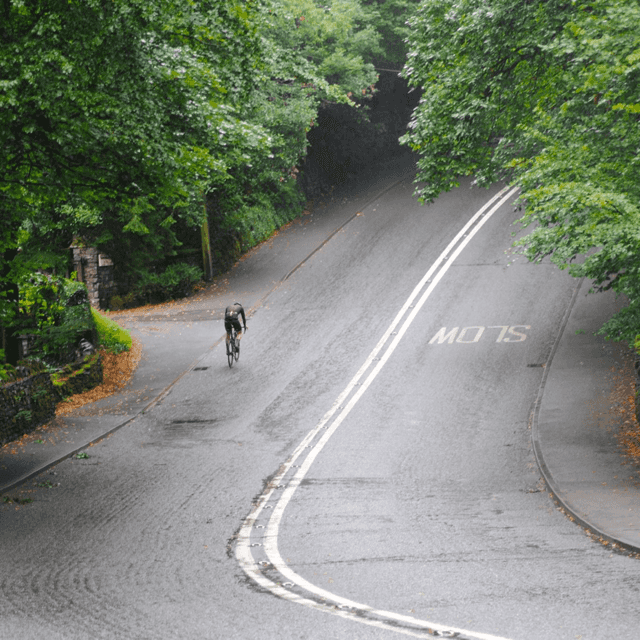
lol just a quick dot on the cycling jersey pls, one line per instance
(231, 317)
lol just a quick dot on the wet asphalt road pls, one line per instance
(426, 500)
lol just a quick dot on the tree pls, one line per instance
(120, 120)
(113, 103)
(313, 58)
(543, 94)
(109, 111)
(335, 36)
(391, 22)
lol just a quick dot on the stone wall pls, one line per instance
(79, 376)
(31, 402)
(25, 405)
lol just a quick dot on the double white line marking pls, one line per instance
(272, 572)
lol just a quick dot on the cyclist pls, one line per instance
(231, 314)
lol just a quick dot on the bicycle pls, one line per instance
(233, 349)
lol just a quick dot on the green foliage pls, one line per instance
(7, 373)
(483, 67)
(334, 37)
(121, 102)
(546, 95)
(6, 370)
(315, 53)
(40, 301)
(16, 500)
(22, 419)
(176, 281)
(257, 219)
(118, 114)
(111, 336)
(55, 312)
(152, 287)
(391, 18)
(119, 119)
(337, 36)
(30, 366)
(239, 221)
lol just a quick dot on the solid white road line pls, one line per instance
(342, 606)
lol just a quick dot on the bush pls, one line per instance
(55, 312)
(176, 281)
(255, 220)
(7, 371)
(126, 301)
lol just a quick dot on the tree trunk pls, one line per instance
(10, 342)
(207, 262)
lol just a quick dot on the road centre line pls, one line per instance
(282, 488)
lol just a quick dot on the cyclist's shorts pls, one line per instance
(232, 322)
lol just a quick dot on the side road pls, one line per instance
(176, 336)
(576, 416)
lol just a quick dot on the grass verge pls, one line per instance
(111, 336)
(120, 355)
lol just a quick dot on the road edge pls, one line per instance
(163, 393)
(555, 492)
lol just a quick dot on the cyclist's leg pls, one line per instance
(228, 326)
(238, 327)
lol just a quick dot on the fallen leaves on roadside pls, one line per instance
(117, 372)
(621, 404)
(118, 369)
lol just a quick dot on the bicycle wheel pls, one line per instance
(230, 349)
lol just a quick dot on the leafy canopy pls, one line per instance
(544, 94)
(118, 119)
(120, 106)
(391, 21)
(118, 114)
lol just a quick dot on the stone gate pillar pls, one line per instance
(85, 263)
(96, 271)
